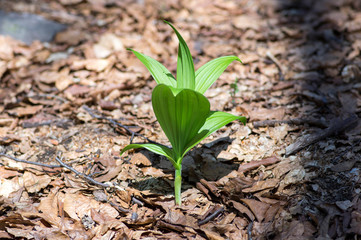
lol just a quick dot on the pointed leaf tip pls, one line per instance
(185, 65)
(210, 72)
(160, 73)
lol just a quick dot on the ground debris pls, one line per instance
(86, 96)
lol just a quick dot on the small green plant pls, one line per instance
(234, 90)
(181, 109)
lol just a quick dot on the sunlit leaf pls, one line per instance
(210, 72)
(185, 66)
(180, 116)
(214, 121)
(158, 71)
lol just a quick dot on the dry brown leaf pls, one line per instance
(212, 235)
(78, 205)
(151, 171)
(6, 49)
(49, 207)
(63, 82)
(76, 90)
(140, 159)
(3, 68)
(262, 185)
(9, 138)
(70, 36)
(242, 209)
(97, 65)
(34, 183)
(108, 43)
(264, 114)
(9, 186)
(25, 111)
(175, 216)
(5, 173)
(258, 208)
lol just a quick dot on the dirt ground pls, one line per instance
(68, 107)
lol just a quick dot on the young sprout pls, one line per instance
(180, 107)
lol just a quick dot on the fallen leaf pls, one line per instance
(262, 185)
(140, 159)
(25, 111)
(6, 49)
(151, 171)
(70, 36)
(76, 90)
(5, 173)
(34, 183)
(258, 208)
(243, 209)
(264, 114)
(9, 186)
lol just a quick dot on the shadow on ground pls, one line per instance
(203, 162)
(318, 53)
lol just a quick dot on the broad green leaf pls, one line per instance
(185, 66)
(158, 71)
(180, 116)
(214, 121)
(158, 149)
(210, 72)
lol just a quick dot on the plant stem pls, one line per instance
(178, 185)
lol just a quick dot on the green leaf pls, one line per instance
(158, 149)
(210, 72)
(214, 121)
(185, 66)
(158, 71)
(180, 115)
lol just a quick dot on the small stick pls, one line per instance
(49, 96)
(119, 208)
(89, 179)
(337, 127)
(137, 201)
(257, 163)
(29, 162)
(249, 230)
(112, 121)
(278, 65)
(212, 216)
(295, 121)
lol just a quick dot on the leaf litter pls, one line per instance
(291, 173)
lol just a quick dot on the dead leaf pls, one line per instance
(34, 183)
(76, 90)
(140, 159)
(5, 173)
(264, 114)
(70, 36)
(243, 209)
(9, 186)
(258, 208)
(25, 111)
(262, 185)
(151, 171)
(6, 49)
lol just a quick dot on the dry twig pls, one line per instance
(211, 216)
(338, 126)
(115, 123)
(29, 162)
(86, 177)
(295, 121)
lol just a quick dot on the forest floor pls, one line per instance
(68, 107)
